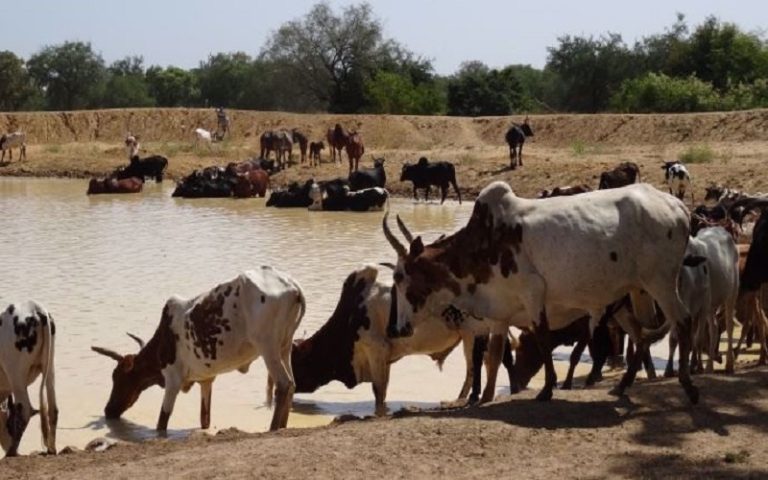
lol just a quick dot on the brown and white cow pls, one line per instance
(26, 351)
(535, 263)
(352, 347)
(254, 315)
(9, 141)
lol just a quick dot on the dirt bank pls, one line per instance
(580, 434)
(566, 149)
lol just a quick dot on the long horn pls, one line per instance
(406, 233)
(108, 353)
(399, 248)
(138, 340)
(748, 204)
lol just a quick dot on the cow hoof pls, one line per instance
(544, 395)
(669, 373)
(616, 391)
(566, 386)
(693, 394)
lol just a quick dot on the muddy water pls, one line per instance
(105, 265)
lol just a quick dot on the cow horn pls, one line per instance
(108, 353)
(406, 233)
(399, 248)
(748, 204)
(138, 340)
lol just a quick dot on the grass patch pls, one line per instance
(579, 148)
(55, 148)
(697, 154)
(738, 457)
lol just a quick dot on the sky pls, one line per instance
(498, 33)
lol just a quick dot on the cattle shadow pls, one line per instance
(128, 431)
(659, 411)
(5, 163)
(362, 408)
(643, 465)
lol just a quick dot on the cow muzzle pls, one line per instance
(394, 332)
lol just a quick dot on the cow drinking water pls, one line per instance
(225, 329)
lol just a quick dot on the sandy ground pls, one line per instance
(654, 433)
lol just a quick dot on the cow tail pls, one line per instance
(46, 350)
(455, 186)
(650, 336)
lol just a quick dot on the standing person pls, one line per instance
(222, 122)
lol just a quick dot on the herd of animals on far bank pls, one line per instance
(626, 263)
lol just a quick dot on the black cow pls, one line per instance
(515, 138)
(294, 196)
(369, 177)
(148, 167)
(210, 182)
(425, 174)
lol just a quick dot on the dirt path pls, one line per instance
(580, 434)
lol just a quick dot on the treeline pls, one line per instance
(340, 61)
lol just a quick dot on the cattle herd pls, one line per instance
(571, 266)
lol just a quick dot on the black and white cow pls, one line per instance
(26, 351)
(334, 196)
(678, 179)
(369, 177)
(225, 329)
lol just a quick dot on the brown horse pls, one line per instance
(337, 139)
(355, 149)
(113, 185)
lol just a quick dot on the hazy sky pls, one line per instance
(171, 32)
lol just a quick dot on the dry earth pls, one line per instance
(654, 433)
(567, 149)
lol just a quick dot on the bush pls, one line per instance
(697, 154)
(659, 93)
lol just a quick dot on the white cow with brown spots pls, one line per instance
(9, 141)
(225, 329)
(534, 263)
(26, 351)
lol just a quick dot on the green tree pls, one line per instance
(126, 85)
(332, 55)
(173, 86)
(71, 75)
(395, 93)
(661, 93)
(478, 90)
(590, 70)
(224, 79)
(15, 87)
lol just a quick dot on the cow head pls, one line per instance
(422, 283)
(714, 192)
(132, 375)
(378, 162)
(526, 128)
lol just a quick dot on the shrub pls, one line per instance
(660, 93)
(697, 154)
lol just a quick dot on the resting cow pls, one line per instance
(27, 335)
(292, 197)
(369, 177)
(254, 315)
(625, 173)
(534, 264)
(113, 185)
(336, 196)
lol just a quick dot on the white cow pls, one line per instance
(552, 258)
(203, 135)
(9, 141)
(678, 179)
(26, 351)
(707, 288)
(225, 329)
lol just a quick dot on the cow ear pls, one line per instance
(417, 247)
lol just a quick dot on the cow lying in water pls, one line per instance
(26, 350)
(335, 195)
(352, 346)
(114, 185)
(225, 329)
(147, 167)
(295, 195)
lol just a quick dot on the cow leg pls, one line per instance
(206, 388)
(172, 387)
(444, 193)
(544, 341)
(480, 345)
(495, 352)
(468, 344)
(574, 360)
(379, 363)
(520, 154)
(426, 193)
(49, 416)
(670, 370)
(650, 369)
(415, 194)
(285, 386)
(512, 155)
(506, 360)
(729, 355)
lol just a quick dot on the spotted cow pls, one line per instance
(225, 329)
(26, 351)
(535, 264)
(352, 347)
